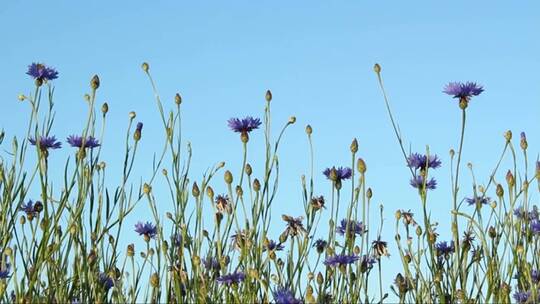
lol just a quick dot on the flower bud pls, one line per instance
(510, 179)
(248, 169)
(256, 185)
(228, 177)
(132, 115)
(147, 188)
(145, 67)
(104, 108)
(210, 193)
(369, 193)
(268, 96)
(508, 136)
(94, 83)
(523, 141)
(320, 278)
(377, 68)
(154, 280)
(292, 120)
(499, 191)
(309, 130)
(354, 146)
(195, 190)
(361, 166)
(177, 99)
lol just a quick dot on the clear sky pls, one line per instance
(317, 59)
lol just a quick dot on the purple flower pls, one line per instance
(273, 246)
(31, 209)
(106, 281)
(418, 183)
(80, 142)
(46, 142)
(139, 127)
(520, 213)
(5, 273)
(477, 200)
(422, 162)
(244, 125)
(149, 230)
(522, 296)
(444, 248)
(211, 263)
(535, 275)
(320, 245)
(535, 226)
(41, 72)
(463, 90)
(338, 174)
(367, 263)
(232, 278)
(354, 227)
(340, 259)
(284, 296)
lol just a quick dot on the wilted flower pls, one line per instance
(80, 142)
(340, 259)
(284, 296)
(106, 281)
(522, 296)
(223, 203)
(354, 227)
(46, 142)
(408, 217)
(272, 245)
(148, 229)
(422, 162)
(294, 225)
(483, 200)
(463, 90)
(444, 248)
(41, 72)
(338, 174)
(232, 278)
(367, 263)
(240, 239)
(380, 248)
(320, 245)
(418, 183)
(317, 202)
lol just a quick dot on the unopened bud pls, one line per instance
(248, 169)
(309, 130)
(228, 177)
(361, 166)
(268, 96)
(145, 67)
(195, 190)
(94, 83)
(177, 99)
(354, 146)
(377, 68)
(104, 108)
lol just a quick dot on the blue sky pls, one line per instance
(317, 59)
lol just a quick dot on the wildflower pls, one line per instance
(149, 230)
(468, 238)
(408, 217)
(317, 202)
(380, 248)
(106, 281)
(340, 259)
(422, 162)
(367, 263)
(5, 273)
(522, 296)
(354, 228)
(41, 72)
(475, 200)
(284, 296)
(337, 174)
(444, 248)
(31, 209)
(320, 245)
(211, 263)
(533, 214)
(46, 142)
(244, 126)
(241, 239)
(520, 213)
(418, 183)
(294, 225)
(535, 226)
(80, 142)
(138, 130)
(223, 203)
(463, 91)
(273, 246)
(232, 278)
(535, 275)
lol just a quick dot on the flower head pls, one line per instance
(232, 278)
(317, 202)
(483, 200)
(283, 295)
(463, 90)
(5, 272)
(535, 226)
(340, 259)
(353, 227)
(31, 209)
(338, 174)
(522, 296)
(320, 245)
(223, 203)
(380, 248)
(106, 281)
(444, 248)
(273, 246)
(80, 142)
(244, 125)
(241, 239)
(46, 142)
(535, 275)
(211, 263)
(41, 72)
(408, 217)
(147, 229)
(418, 183)
(422, 162)
(294, 225)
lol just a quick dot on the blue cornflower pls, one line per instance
(46, 142)
(149, 230)
(340, 259)
(338, 174)
(422, 162)
(80, 142)
(41, 72)
(283, 295)
(5, 273)
(463, 90)
(244, 125)
(273, 246)
(533, 214)
(31, 209)
(522, 296)
(535, 226)
(211, 263)
(475, 199)
(355, 227)
(444, 248)
(106, 281)
(418, 183)
(232, 278)
(176, 239)
(320, 245)
(520, 212)
(535, 275)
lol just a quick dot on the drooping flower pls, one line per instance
(418, 183)
(80, 142)
(232, 278)
(148, 230)
(244, 125)
(41, 72)
(338, 174)
(463, 90)
(340, 259)
(106, 281)
(380, 248)
(483, 200)
(273, 246)
(283, 295)
(320, 245)
(294, 225)
(422, 162)
(46, 142)
(444, 248)
(354, 228)
(522, 296)
(5, 272)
